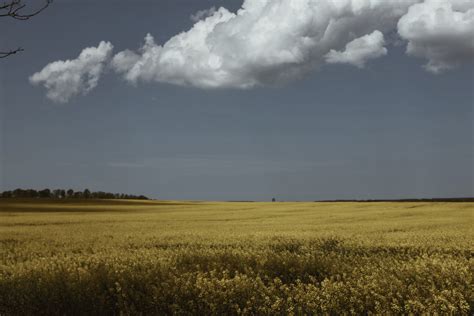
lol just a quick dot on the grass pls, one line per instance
(149, 257)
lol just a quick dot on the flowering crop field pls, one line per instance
(153, 257)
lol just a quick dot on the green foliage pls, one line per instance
(182, 258)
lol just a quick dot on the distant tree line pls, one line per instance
(68, 194)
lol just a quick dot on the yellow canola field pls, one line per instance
(174, 257)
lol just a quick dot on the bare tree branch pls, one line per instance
(12, 52)
(14, 9)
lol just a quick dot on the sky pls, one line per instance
(297, 100)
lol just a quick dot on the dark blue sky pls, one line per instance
(391, 130)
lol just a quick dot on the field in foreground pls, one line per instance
(149, 257)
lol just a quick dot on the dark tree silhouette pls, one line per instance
(18, 193)
(16, 9)
(57, 193)
(32, 193)
(46, 193)
(78, 195)
(7, 194)
(70, 193)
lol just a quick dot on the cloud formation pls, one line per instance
(269, 42)
(359, 51)
(266, 42)
(65, 79)
(202, 14)
(440, 31)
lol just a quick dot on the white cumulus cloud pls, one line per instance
(202, 14)
(442, 31)
(359, 51)
(65, 79)
(266, 42)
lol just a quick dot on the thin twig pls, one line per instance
(12, 52)
(14, 7)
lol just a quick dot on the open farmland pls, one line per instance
(150, 257)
